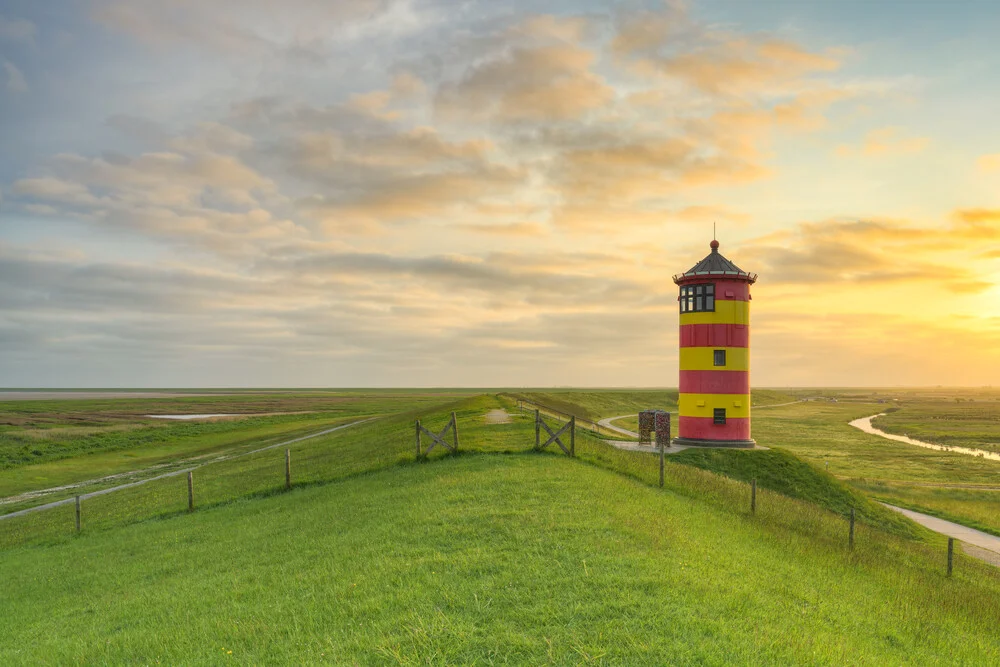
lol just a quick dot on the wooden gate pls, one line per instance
(438, 438)
(555, 436)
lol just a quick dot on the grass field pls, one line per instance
(498, 554)
(964, 421)
(45, 444)
(525, 558)
(817, 432)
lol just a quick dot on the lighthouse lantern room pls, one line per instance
(714, 397)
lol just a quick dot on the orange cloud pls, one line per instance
(873, 252)
(989, 163)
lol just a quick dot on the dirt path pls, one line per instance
(977, 539)
(498, 416)
(172, 473)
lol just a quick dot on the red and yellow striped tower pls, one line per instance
(714, 401)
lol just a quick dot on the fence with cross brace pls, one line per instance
(438, 438)
(555, 436)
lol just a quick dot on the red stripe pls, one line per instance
(715, 382)
(704, 428)
(731, 290)
(715, 335)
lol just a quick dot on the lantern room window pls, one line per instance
(698, 298)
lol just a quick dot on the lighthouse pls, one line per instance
(714, 397)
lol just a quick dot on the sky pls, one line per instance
(369, 193)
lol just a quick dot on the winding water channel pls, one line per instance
(865, 424)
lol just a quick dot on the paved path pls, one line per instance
(606, 423)
(174, 473)
(976, 538)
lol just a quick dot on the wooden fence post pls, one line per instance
(572, 436)
(661, 464)
(418, 438)
(538, 432)
(951, 553)
(190, 490)
(288, 468)
(753, 496)
(850, 537)
(454, 427)
(78, 514)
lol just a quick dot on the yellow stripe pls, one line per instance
(703, 405)
(703, 359)
(726, 312)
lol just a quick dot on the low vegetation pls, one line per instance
(503, 553)
(526, 558)
(45, 444)
(967, 422)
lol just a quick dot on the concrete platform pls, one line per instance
(672, 449)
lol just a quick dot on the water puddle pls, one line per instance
(185, 417)
(865, 424)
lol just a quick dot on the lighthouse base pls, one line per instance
(698, 442)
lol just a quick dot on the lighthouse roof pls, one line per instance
(717, 266)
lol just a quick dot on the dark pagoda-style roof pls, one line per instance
(715, 265)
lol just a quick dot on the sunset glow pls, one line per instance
(410, 193)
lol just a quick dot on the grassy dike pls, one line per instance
(521, 557)
(524, 558)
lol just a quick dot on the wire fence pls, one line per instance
(376, 444)
(361, 446)
(594, 427)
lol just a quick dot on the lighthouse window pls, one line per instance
(720, 358)
(719, 415)
(697, 298)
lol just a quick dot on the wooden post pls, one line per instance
(288, 468)
(454, 427)
(951, 553)
(78, 514)
(190, 490)
(661, 463)
(572, 436)
(753, 496)
(850, 537)
(538, 433)
(418, 438)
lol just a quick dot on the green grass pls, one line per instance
(517, 559)
(370, 446)
(963, 423)
(976, 508)
(819, 433)
(47, 444)
(786, 474)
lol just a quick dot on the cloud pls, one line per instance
(514, 229)
(715, 61)
(298, 31)
(15, 79)
(871, 252)
(886, 141)
(17, 30)
(545, 83)
(989, 163)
